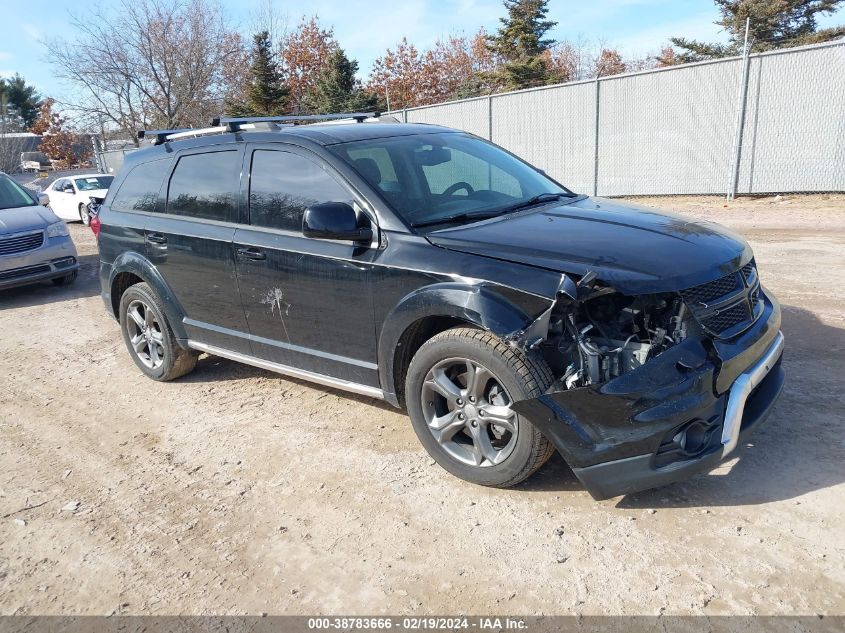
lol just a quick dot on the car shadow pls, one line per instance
(87, 284)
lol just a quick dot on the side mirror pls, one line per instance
(43, 199)
(336, 221)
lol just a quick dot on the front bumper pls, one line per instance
(623, 436)
(42, 271)
(56, 258)
(764, 380)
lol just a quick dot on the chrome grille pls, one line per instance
(727, 306)
(21, 243)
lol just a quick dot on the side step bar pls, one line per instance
(327, 381)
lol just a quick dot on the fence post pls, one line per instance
(596, 145)
(740, 120)
(490, 118)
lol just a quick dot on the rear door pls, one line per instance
(308, 302)
(191, 244)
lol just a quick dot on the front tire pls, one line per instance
(459, 390)
(83, 214)
(149, 337)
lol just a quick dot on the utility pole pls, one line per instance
(740, 120)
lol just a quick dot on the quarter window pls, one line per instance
(205, 186)
(140, 188)
(283, 185)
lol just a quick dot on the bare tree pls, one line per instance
(150, 63)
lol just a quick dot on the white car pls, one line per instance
(69, 197)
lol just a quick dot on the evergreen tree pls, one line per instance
(20, 98)
(267, 95)
(773, 24)
(337, 89)
(519, 44)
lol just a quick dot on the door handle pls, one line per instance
(251, 253)
(156, 238)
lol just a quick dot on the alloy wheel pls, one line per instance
(469, 413)
(145, 334)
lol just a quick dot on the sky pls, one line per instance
(636, 27)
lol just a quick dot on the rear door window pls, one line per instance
(140, 188)
(205, 186)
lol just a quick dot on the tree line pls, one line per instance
(177, 63)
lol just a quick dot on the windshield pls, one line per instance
(92, 183)
(432, 179)
(12, 195)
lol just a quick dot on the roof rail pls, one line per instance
(220, 125)
(233, 122)
(160, 135)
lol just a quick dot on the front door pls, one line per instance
(190, 244)
(62, 199)
(308, 302)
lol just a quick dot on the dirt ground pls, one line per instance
(235, 490)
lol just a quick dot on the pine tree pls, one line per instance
(519, 44)
(337, 89)
(779, 24)
(21, 98)
(267, 95)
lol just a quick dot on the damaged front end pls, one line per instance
(654, 387)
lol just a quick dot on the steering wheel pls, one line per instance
(451, 189)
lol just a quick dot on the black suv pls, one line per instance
(433, 269)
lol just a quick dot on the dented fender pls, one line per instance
(501, 310)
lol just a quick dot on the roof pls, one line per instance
(75, 176)
(319, 133)
(331, 133)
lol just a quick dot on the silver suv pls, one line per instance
(34, 243)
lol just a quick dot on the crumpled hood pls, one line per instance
(25, 219)
(630, 247)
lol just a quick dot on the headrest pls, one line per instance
(368, 168)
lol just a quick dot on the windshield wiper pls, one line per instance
(460, 217)
(546, 196)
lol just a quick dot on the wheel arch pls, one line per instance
(132, 268)
(433, 309)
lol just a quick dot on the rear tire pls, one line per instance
(459, 389)
(149, 337)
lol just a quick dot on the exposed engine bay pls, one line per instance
(606, 334)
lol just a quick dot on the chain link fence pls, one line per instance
(109, 161)
(771, 122)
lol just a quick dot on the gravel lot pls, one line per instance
(235, 490)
